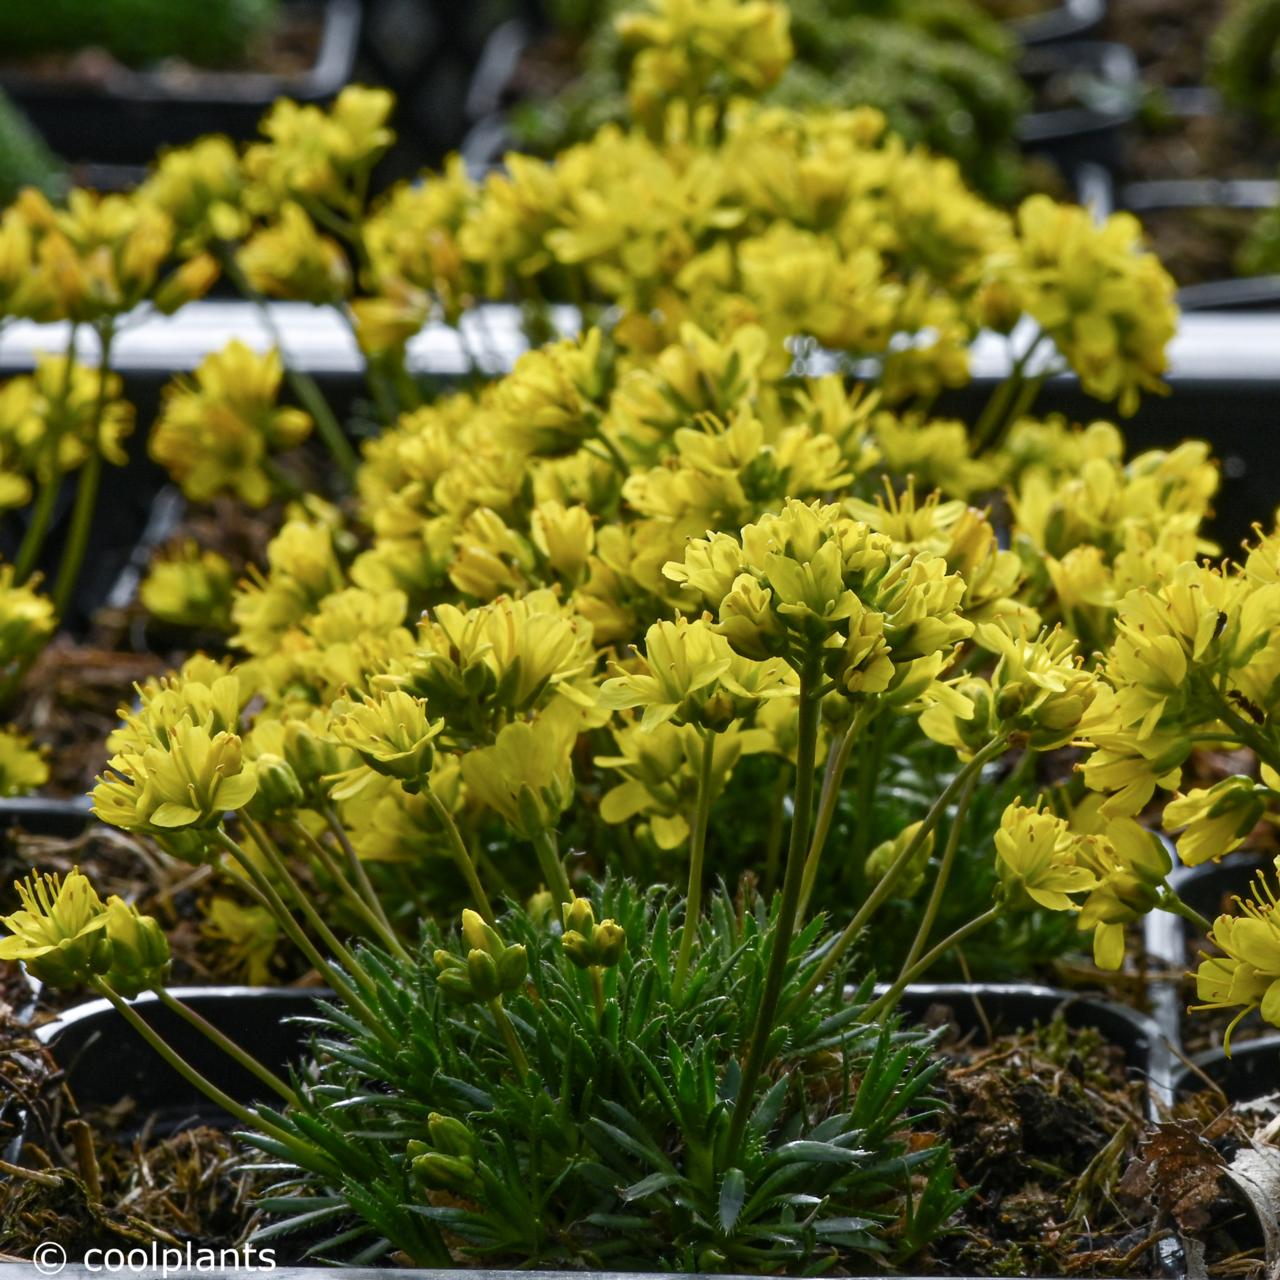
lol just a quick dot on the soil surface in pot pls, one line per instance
(95, 1179)
(1043, 1124)
(1170, 38)
(288, 47)
(1197, 245)
(1219, 145)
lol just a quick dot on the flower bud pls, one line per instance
(192, 280)
(578, 948)
(578, 916)
(540, 907)
(451, 1136)
(279, 791)
(139, 950)
(513, 966)
(479, 935)
(610, 941)
(482, 970)
(445, 1173)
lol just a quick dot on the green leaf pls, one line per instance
(733, 1192)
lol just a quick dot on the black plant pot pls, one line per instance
(1243, 294)
(1070, 20)
(37, 816)
(1102, 79)
(1008, 1007)
(127, 118)
(1251, 1072)
(89, 1036)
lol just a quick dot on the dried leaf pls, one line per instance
(1178, 1170)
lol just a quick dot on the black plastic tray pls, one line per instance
(1080, 135)
(1071, 20)
(128, 118)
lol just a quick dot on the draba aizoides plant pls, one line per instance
(675, 602)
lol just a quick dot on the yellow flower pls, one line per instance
(689, 675)
(526, 776)
(289, 258)
(192, 782)
(810, 582)
(246, 935)
(481, 667)
(689, 47)
(550, 401)
(98, 256)
(200, 187)
(565, 538)
(318, 153)
(189, 588)
(27, 619)
(1035, 856)
(660, 769)
(1215, 820)
(1040, 693)
(59, 933)
(1107, 304)
(1248, 973)
(24, 768)
(393, 736)
(1131, 865)
(217, 431)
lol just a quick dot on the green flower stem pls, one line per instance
(42, 513)
(357, 867)
(313, 917)
(87, 490)
(764, 1013)
(1169, 901)
(284, 917)
(697, 853)
(381, 931)
(837, 763)
(996, 416)
(944, 874)
(508, 1033)
(37, 528)
(597, 991)
(880, 894)
(379, 387)
(304, 386)
(931, 957)
(1249, 735)
(553, 872)
(773, 840)
(458, 848)
(306, 1154)
(227, 1045)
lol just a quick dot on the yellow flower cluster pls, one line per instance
(1111, 874)
(217, 432)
